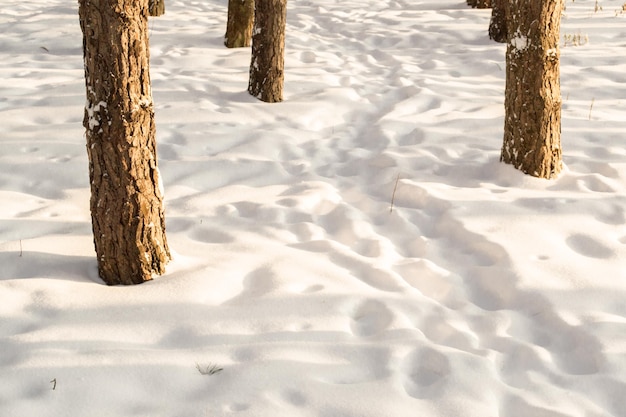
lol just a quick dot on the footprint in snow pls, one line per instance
(589, 246)
(426, 372)
(370, 318)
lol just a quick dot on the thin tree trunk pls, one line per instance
(239, 25)
(268, 50)
(480, 4)
(532, 130)
(497, 24)
(126, 195)
(156, 7)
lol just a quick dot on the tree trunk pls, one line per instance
(239, 25)
(480, 4)
(156, 7)
(497, 24)
(532, 130)
(268, 50)
(126, 194)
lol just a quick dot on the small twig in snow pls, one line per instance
(393, 195)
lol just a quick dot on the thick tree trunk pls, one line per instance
(532, 130)
(126, 195)
(156, 7)
(480, 4)
(497, 24)
(268, 50)
(239, 25)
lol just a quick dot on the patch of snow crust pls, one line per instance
(519, 42)
(92, 109)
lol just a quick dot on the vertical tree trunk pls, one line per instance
(156, 7)
(239, 25)
(268, 50)
(497, 24)
(532, 130)
(126, 195)
(480, 4)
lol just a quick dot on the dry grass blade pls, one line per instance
(210, 369)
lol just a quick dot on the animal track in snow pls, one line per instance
(370, 318)
(574, 350)
(207, 234)
(614, 215)
(368, 274)
(427, 371)
(589, 246)
(431, 280)
(257, 283)
(442, 332)
(294, 397)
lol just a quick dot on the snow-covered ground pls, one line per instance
(481, 292)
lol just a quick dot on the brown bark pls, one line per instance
(156, 7)
(480, 4)
(239, 25)
(497, 24)
(126, 198)
(268, 50)
(532, 130)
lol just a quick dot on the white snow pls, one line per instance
(159, 182)
(519, 42)
(482, 293)
(92, 109)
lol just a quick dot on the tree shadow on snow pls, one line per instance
(31, 264)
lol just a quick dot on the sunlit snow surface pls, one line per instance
(355, 251)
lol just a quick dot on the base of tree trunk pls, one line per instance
(497, 24)
(268, 50)
(239, 24)
(126, 199)
(532, 128)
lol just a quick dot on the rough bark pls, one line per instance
(532, 130)
(480, 4)
(156, 7)
(126, 195)
(239, 25)
(497, 24)
(268, 50)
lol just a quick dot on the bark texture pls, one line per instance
(532, 130)
(156, 7)
(268, 50)
(497, 24)
(126, 195)
(480, 4)
(239, 25)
